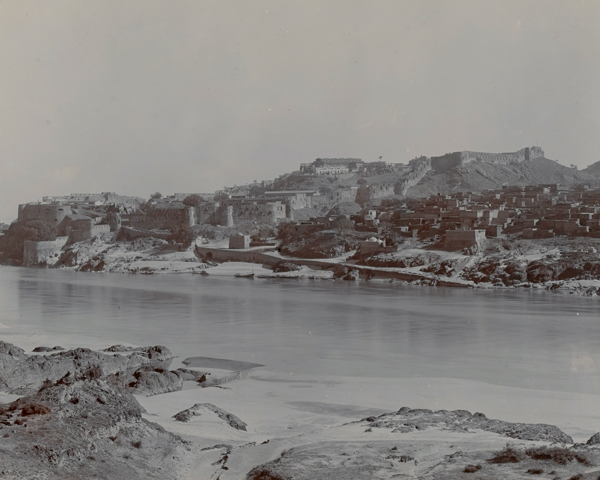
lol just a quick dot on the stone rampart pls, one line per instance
(250, 256)
(253, 256)
(159, 218)
(35, 253)
(446, 162)
(419, 169)
(52, 214)
(452, 160)
(129, 234)
(381, 190)
(235, 212)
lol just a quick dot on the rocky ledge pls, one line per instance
(23, 374)
(459, 450)
(84, 427)
(408, 420)
(197, 410)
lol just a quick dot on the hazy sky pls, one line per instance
(136, 96)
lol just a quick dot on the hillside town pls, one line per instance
(361, 216)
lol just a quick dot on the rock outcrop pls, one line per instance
(48, 349)
(22, 374)
(408, 420)
(83, 428)
(231, 420)
(594, 439)
(148, 380)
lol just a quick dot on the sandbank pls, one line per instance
(285, 409)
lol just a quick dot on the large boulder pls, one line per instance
(156, 381)
(568, 273)
(594, 439)
(539, 272)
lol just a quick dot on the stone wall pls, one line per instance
(452, 160)
(205, 213)
(420, 167)
(343, 194)
(240, 242)
(446, 162)
(253, 256)
(159, 218)
(129, 234)
(52, 214)
(461, 239)
(381, 190)
(233, 213)
(35, 253)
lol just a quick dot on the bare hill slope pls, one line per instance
(593, 169)
(478, 176)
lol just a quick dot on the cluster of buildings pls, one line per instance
(94, 199)
(227, 210)
(75, 218)
(464, 220)
(534, 212)
(80, 216)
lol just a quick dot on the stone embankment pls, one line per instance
(343, 270)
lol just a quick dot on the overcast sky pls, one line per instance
(137, 96)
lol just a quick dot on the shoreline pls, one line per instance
(433, 392)
(586, 288)
(290, 411)
(153, 257)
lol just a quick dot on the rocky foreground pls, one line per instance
(442, 456)
(78, 418)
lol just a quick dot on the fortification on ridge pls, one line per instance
(451, 160)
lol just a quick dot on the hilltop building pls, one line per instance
(331, 166)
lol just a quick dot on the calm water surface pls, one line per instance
(517, 338)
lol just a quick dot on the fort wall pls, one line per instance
(451, 160)
(86, 232)
(205, 213)
(419, 169)
(35, 253)
(250, 211)
(129, 234)
(167, 218)
(447, 162)
(161, 218)
(381, 190)
(52, 214)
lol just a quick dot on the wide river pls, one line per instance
(524, 338)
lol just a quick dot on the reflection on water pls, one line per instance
(519, 338)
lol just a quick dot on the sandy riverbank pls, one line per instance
(283, 410)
